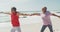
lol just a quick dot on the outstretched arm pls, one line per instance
(38, 14)
(5, 13)
(56, 15)
(23, 14)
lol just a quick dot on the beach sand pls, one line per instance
(36, 27)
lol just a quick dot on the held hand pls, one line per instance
(28, 14)
(35, 14)
(32, 14)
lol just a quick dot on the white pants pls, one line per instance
(14, 29)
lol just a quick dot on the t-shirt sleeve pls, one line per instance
(49, 13)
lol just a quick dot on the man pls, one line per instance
(46, 19)
(15, 19)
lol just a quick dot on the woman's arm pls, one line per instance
(5, 13)
(23, 14)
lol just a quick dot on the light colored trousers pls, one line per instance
(14, 29)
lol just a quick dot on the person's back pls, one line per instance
(15, 19)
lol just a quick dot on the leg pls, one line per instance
(50, 28)
(12, 30)
(18, 29)
(43, 28)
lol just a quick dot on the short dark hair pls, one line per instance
(45, 7)
(13, 8)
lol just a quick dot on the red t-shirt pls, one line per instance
(15, 19)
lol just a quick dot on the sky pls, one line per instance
(29, 5)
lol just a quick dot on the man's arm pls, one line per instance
(56, 15)
(5, 13)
